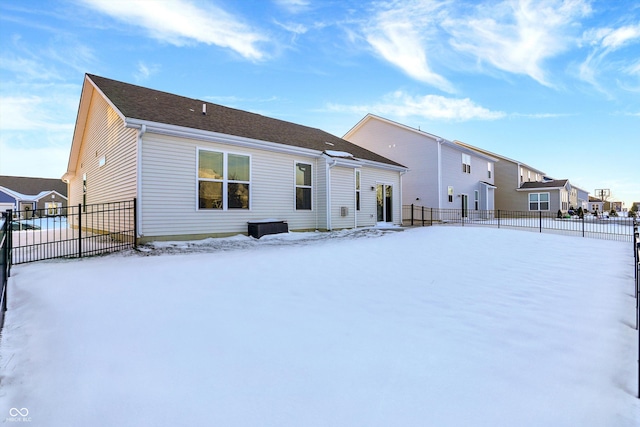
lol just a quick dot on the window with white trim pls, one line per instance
(538, 201)
(450, 194)
(357, 190)
(466, 163)
(489, 170)
(304, 188)
(476, 199)
(224, 180)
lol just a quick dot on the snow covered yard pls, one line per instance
(439, 326)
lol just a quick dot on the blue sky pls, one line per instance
(554, 84)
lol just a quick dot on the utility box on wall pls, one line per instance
(344, 211)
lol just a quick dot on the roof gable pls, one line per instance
(370, 117)
(140, 103)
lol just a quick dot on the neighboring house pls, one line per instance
(199, 169)
(617, 206)
(45, 196)
(547, 195)
(521, 187)
(596, 205)
(441, 173)
(582, 199)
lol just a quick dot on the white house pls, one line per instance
(441, 174)
(199, 169)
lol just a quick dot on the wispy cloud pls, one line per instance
(182, 22)
(29, 113)
(518, 36)
(432, 107)
(603, 42)
(293, 6)
(401, 33)
(144, 71)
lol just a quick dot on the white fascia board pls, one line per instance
(203, 135)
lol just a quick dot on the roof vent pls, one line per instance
(329, 143)
(204, 109)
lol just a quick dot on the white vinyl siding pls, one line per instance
(342, 196)
(105, 137)
(170, 195)
(418, 152)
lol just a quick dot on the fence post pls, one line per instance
(431, 217)
(498, 218)
(135, 223)
(583, 224)
(79, 230)
(412, 214)
(422, 215)
(540, 216)
(9, 241)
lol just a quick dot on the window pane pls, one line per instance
(238, 197)
(209, 195)
(544, 206)
(238, 168)
(357, 180)
(303, 198)
(544, 197)
(533, 206)
(533, 197)
(210, 165)
(303, 174)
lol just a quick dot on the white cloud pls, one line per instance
(144, 71)
(432, 107)
(23, 160)
(29, 114)
(604, 42)
(181, 22)
(517, 36)
(293, 6)
(401, 34)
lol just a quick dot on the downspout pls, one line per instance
(439, 140)
(328, 177)
(141, 132)
(401, 199)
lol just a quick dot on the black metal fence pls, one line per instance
(636, 267)
(4, 263)
(71, 231)
(603, 227)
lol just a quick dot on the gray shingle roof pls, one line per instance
(556, 183)
(32, 186)
(141, 103)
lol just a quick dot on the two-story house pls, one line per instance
(441, 174)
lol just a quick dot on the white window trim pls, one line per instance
(466, 163)
(225, 181)
(295, 184)
(539, 210)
